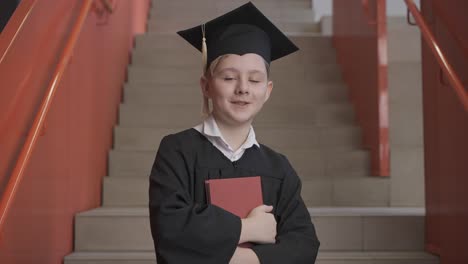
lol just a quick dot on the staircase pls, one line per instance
(405, 98)
(308, 118)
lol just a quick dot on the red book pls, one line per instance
(236, 195)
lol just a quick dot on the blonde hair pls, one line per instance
(208, 74)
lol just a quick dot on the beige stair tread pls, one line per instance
(309, 163)
(173, 38)
(377, 229)
(129, 255)
(314, 211)
(274, 13)
(189, 115)
(376, 255)
(367, 211)
(186, 94)
(317, 189)
(158, 75)
(309, 59)
(289, 28)
(349, 137)
(193, 71)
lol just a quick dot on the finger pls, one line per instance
(267, 208)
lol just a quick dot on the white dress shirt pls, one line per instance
(211, 131)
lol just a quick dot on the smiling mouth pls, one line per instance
(240, 103)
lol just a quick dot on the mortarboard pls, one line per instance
(240, 31)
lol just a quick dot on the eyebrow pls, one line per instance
(236, 70)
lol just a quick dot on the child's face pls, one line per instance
(238, 88)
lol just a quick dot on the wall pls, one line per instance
(445, 134)
(65, 172)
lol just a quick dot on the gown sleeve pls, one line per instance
(184, 231)
(296, 240)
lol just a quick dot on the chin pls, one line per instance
(239, 119)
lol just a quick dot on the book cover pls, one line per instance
(236, 195)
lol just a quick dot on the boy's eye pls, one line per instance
(228, 78)
(254, 81)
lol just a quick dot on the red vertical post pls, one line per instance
(360, 39)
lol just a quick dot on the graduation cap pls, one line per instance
(240, 31)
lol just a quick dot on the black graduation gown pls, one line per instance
(186, 229)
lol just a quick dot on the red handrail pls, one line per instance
(36, 128)
(437, 51)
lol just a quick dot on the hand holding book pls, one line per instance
(243, 197)
(259, 226)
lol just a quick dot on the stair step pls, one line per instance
(273, 12)
(313, 90)
(400, 24)
(130, 164)
(189, 115)
(308, 163)
(324, 257)
(132, 138)
(299, 27)
(127, 229)
(191, 74)
(152, 57)
(330, 177)
(317, 190)
(121, 257)
(185, 94)
(290, 16)
(404, 40)
(225, 6)
(200, 5)
(405, 83)
(171, 41)
(171, 26)
(404, 46)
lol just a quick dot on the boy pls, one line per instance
(238, 48)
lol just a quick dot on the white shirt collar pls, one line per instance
(211, 131)
(210, 128)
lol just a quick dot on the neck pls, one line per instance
(235, 135)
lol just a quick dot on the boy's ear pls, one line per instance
(269, 90)
(204, 85)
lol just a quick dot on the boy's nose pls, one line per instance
(242, 87)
